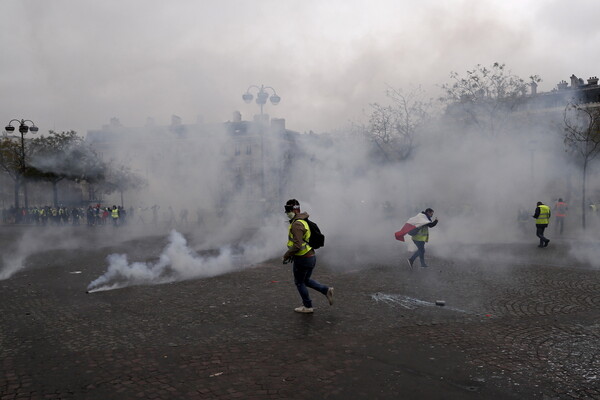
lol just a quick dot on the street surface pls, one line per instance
(528, 329)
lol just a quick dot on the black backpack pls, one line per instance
(316, 239)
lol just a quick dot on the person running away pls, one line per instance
(303, 257)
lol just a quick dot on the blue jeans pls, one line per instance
(419, 253)
(303, 269)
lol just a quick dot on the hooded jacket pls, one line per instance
(298, 230)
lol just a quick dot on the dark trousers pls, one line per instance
(560, 223)
(419, 253)
(540, 233)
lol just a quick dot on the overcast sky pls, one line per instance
(74, 64)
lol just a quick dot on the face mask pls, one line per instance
(290, 215)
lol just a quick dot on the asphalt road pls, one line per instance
(508, 330)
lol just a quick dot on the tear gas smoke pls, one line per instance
(33, 242)
(179, 262)
(476, 183)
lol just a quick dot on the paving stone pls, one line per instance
(514, 331)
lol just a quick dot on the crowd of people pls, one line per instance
(94, 215)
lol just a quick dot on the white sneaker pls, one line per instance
(304, 310)
(330, 296)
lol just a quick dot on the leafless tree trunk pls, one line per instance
(582, 138)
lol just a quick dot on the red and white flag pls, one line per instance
(415, 222)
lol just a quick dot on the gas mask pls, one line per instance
(289, 210)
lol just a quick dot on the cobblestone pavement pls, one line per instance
(507, 331)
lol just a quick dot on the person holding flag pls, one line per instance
(418, 227)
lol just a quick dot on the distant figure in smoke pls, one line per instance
(122, 215)
(561, 212)
(183, 216)
(523, 221)
(105, 214)
(420, 235)
(303, 256)
(114, 213)
(542, 218)
(155, 209)
(140, 214)
(171, 218)
(593, 212)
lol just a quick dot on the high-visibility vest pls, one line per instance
(544, 216)
(561, 209)
(115, 213)
(422, 234)
(305, 246)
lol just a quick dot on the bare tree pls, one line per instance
(61, 156)
(121, 178)
(484, 97)
(393, 128)
(582, 138)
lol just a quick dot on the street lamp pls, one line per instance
(261, 96)
(23, 129)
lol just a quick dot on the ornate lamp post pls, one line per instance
(23, 129)
(261, 96)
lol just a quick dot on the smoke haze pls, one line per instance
(72, 65)
(136, 59)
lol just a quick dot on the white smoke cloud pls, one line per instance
(475, 184)
(14, 258)
(178, 261)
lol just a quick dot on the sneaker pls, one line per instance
(304, 310)
(546, 242)
(424, 266)
(410, 262)
(329, 296)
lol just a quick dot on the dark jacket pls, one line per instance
(432, 224)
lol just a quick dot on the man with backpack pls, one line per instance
(302, 254)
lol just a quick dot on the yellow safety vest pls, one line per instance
(305, 247)
(544, 217)
(115, 213)
(422, 235)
